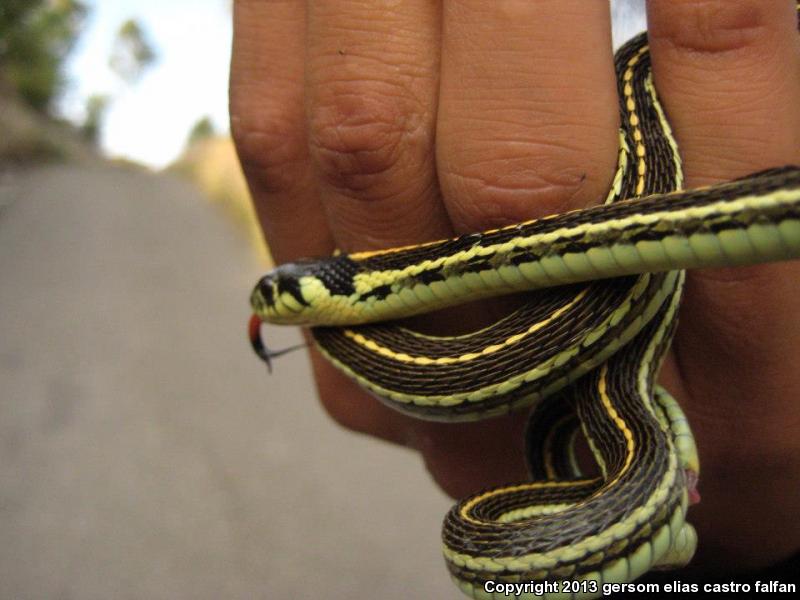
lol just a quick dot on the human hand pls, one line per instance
(365, 125)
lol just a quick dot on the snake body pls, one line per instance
(584, 351)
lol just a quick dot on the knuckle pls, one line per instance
(357, 134)
(537, 180)
(713, 27)
(270, 142)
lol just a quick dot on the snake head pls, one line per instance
(278, 295)
(308, 292)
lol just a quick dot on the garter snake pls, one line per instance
(604, 286)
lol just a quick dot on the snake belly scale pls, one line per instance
(604, 287)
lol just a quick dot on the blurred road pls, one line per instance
(144, 452)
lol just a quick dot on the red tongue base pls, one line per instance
(264, 353)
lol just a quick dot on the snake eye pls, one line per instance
(267, 288)
(283, 280)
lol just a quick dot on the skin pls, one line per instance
(365, 125)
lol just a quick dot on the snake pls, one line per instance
(602, 288)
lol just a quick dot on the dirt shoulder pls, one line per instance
(27, 137)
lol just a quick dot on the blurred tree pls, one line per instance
(96, 106)
(132, 53)
(203, 129)
(35, 39)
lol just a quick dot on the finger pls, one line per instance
(371, 105)
(528, 115)
(371, 81)
(268, 125)
(728, 74)
(512, 143)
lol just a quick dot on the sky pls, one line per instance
(149, 121)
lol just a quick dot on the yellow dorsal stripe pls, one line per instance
(633, 119)
(372, 345)
(619, 422)
(466, 509)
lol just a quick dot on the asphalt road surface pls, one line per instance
(144, 451)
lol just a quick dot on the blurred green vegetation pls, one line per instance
(203, 129)
(132, 53)
(96, 106)
(35, 39)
